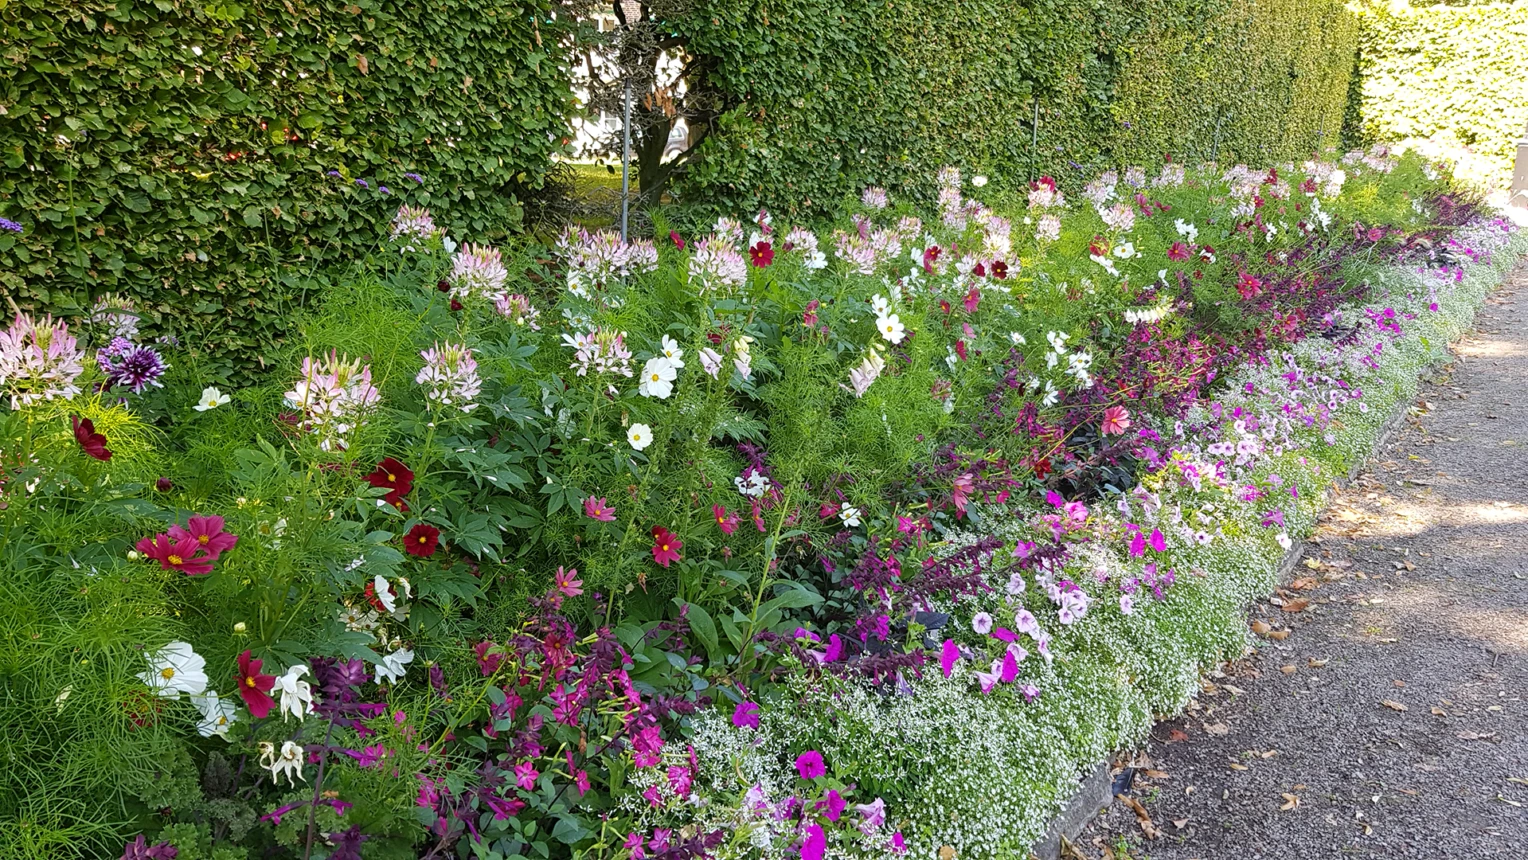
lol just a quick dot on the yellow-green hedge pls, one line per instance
(1457, 72)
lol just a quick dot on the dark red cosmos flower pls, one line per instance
(1044, 180)
(443, 285)
(255, 687)
(456, 305)
(164, 485)
(761, 255)
(92, 442)
(422, 540)
(174, 553)
(396, 478)
(999, 269)
(666, 546)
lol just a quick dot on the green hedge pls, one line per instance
(1450, 71)
(179, 153)
(830, 95)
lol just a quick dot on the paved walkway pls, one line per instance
(1392, 722)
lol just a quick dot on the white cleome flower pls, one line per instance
(211, 399)
(176, 669)
(385, 594)
(658, 377)
(217, 714)
(640, 436)
(296, 694)
(394, 665)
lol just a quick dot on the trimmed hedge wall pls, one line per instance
(831, 95)
(1449, 71)
(179, 153)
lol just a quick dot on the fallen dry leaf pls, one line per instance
(1439, 712)
(1475, 736)
(1155, 774)
(1180, 823)
(1393, 705)
(1269, 753)
(1279, 635)
(1288, 670)
(1235, 691)
(1177, 735)
(1217, 729)
(1141, 817)
(1398, 682)
(1296, 605)
(1261, 628)
(1317, 664)
(1302, 584)
(1235, 766)
(1290, 802)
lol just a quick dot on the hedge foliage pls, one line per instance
(1446, 71)
(179, 153)
(832, 95)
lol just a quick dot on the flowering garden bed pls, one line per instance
(746, 542)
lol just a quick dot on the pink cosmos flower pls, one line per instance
(666, 546)
(724, 521)
(1116, 421)
(176, 555)
(1178, 252)
(599, 509)
(809, 764)
(567, 581)
(208, 534)
(973, 298)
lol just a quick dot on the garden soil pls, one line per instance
(1392, 719)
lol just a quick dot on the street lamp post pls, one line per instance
(1519, 188)
(627, 12)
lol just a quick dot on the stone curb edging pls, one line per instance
(1095, 790)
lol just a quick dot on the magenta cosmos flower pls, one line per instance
(666, 546)
(208, 534)
(724, 521)
(599, 509)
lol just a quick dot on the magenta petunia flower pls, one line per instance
(816, 843)
(809, 764)
(746, 715)
(948, 656)
(526, 775)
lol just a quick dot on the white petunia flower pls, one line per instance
(296, 694)
(394, 665)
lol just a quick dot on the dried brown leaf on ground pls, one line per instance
(1393, 705)
(1141, 816)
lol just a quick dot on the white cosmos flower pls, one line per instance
(815, 260)
(1125, 251)
(640, 436)
(211, 399)
(1018, 339)
(296, 694)
(176, 669)
(658, 377)
(394, 665)
(978, 181)
(672, 352)
(850, 515)
(288, 761)
(217, 714)
(891, 328)
(879, 304)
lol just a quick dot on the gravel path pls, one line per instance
(1393, 720)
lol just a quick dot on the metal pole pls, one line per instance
(1034, 140)
(626, 162)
